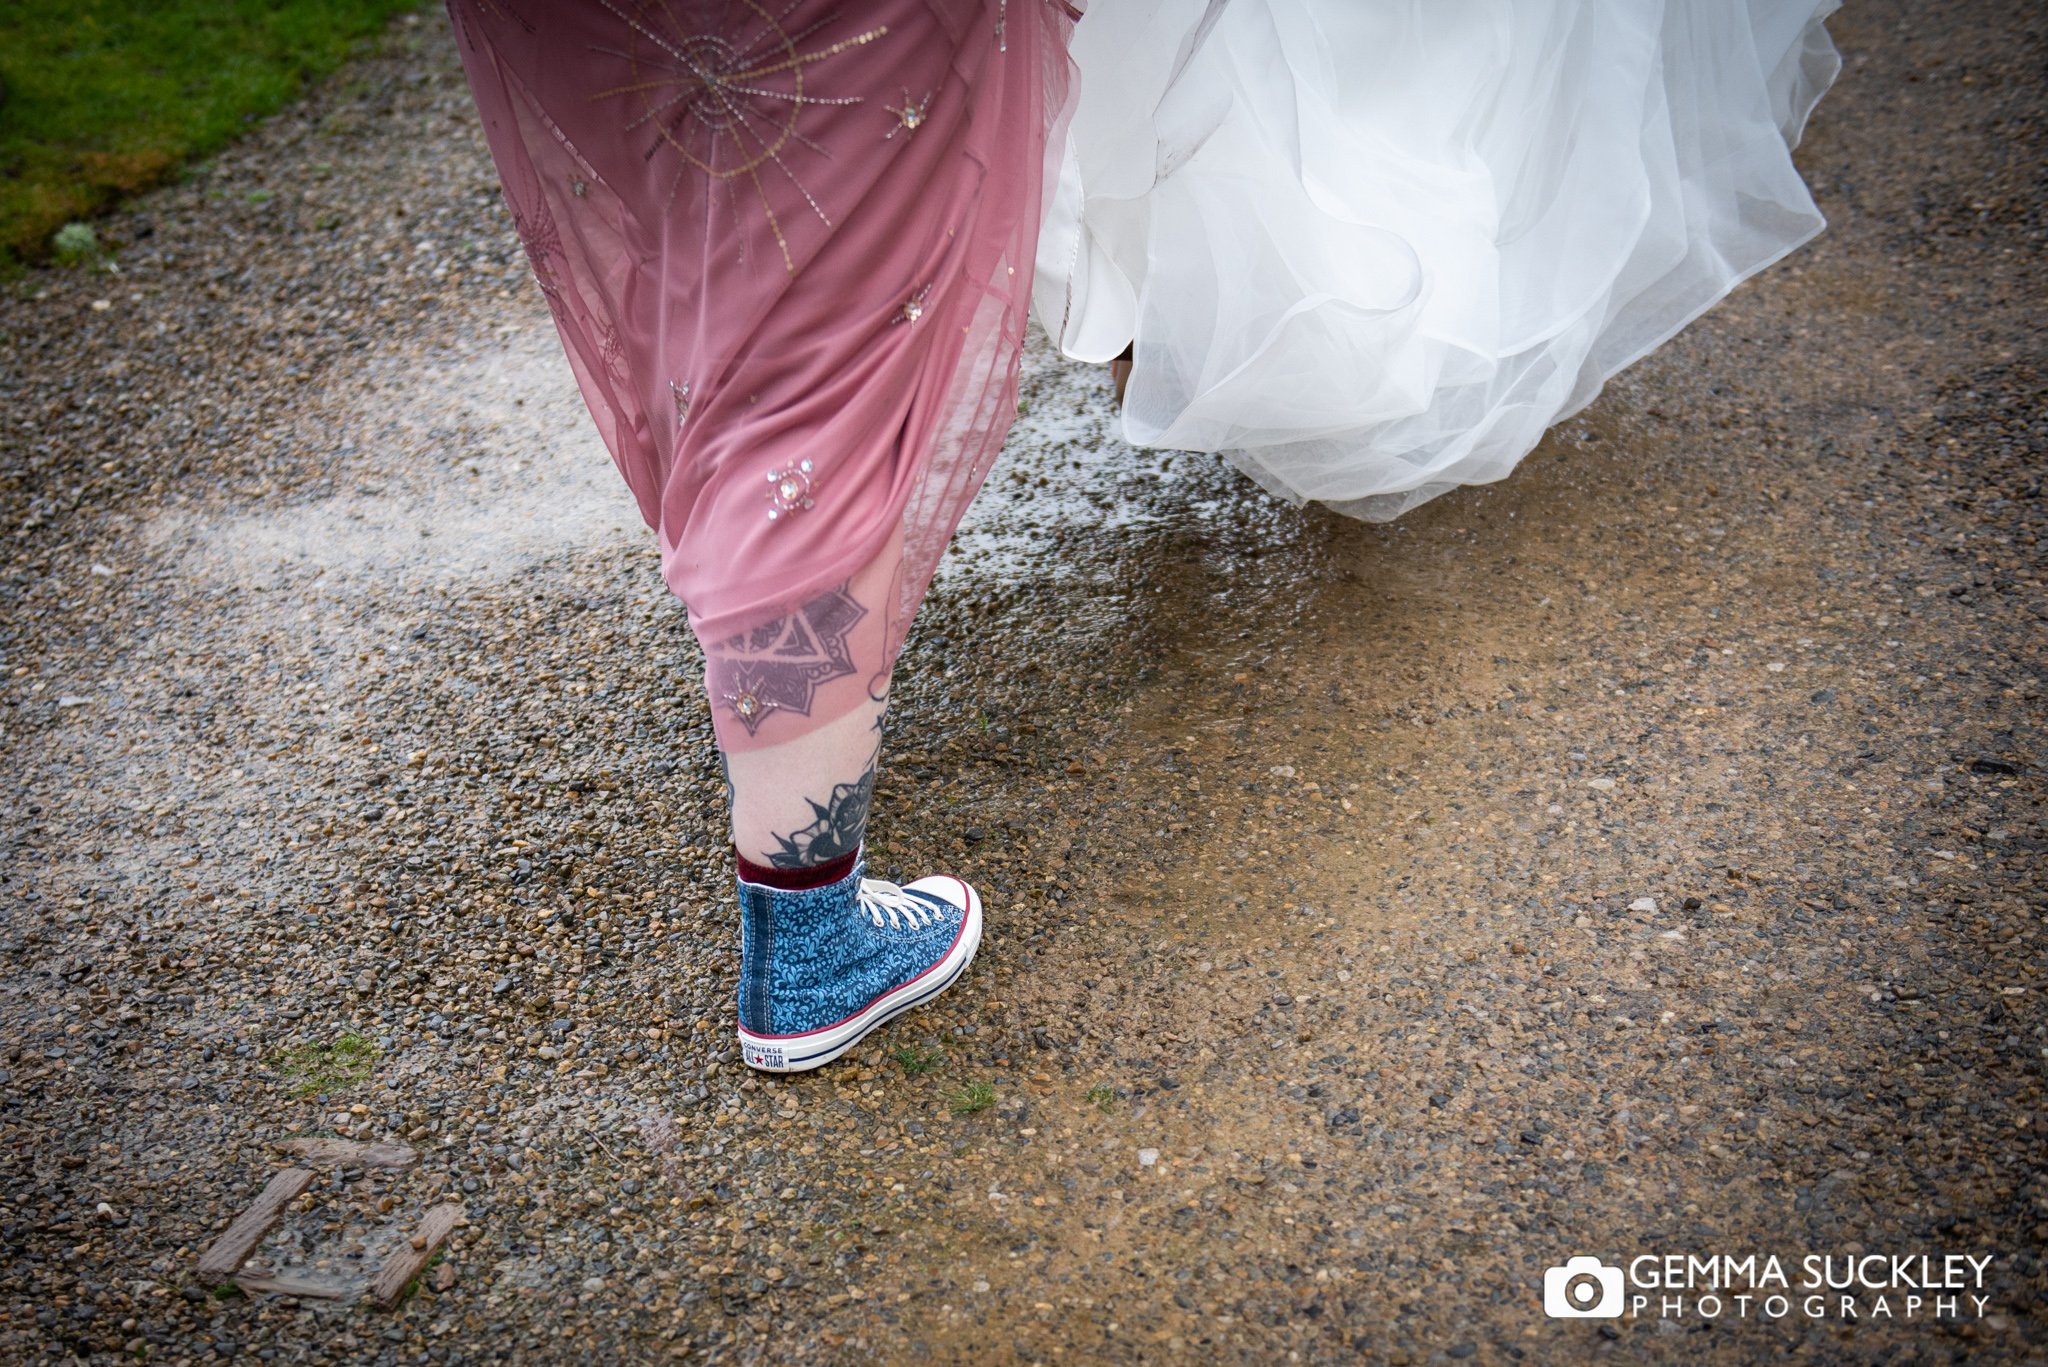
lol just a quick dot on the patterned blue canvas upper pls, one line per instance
(811, 958)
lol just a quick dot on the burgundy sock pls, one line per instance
(795, 880)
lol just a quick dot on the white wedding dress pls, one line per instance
(1369, 250)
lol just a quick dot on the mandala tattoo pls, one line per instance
(835, 832)
(779, 667)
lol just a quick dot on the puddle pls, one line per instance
(1064, 469)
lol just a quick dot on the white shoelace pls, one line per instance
(884, 899)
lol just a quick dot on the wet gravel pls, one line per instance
(1641, 855)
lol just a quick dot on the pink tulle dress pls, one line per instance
(788, 247)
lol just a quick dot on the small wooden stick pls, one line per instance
(408, 1258)
(220, 1262)
(292, 1286)
(347, 1151)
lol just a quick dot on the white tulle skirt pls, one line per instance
(1370, 251)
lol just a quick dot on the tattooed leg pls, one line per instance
(793, 676)
(836, 827)
(805, 802)
(798, 705)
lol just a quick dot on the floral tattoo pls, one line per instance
(838, 823)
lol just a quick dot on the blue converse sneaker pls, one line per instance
(821, 967)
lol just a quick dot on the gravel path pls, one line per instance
(1644, 855)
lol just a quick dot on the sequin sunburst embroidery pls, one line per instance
(535, 223)
(494, 9)
(612, 352)
(726, 97)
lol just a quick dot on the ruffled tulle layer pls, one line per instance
(1370, 251)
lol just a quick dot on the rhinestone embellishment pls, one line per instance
(910, 117)
(746, 704)
(681, 394)
(789, 491)
(913, 308)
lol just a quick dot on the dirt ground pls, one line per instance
(1641, 856)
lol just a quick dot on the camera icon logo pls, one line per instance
(1583, 1288)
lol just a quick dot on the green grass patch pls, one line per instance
(1102, 1099)
(914, 1059)
(330, 1067)
(106, 97)
(975, 1096)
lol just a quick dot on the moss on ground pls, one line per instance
(329, 1066)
